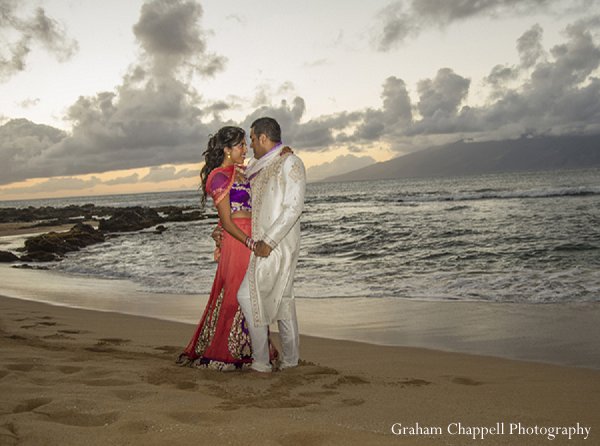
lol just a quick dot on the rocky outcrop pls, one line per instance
(53, 245)
(131, 219)
(160, 229)
(7, 256)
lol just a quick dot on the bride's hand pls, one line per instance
(286, 150)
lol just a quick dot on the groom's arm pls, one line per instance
(294, 179)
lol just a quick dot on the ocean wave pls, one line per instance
(503, 195)
(482, 194)
(576, 247)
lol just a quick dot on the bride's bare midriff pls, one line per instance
(241, 214)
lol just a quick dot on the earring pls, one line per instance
(229, 156)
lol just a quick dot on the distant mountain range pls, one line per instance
(471, 158)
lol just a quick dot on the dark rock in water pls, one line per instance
(39, 256)
(47, 247)
(160, 229)
(27, 266)
(7, 256)
(178, 214)
(130, 219)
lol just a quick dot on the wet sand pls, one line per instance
(565, 334)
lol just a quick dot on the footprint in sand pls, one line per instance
(112, 341)
(72, 331)
(350, 402)
(198, 418)
(109, 382)
(8, 434)
(318, 393)
(81, 419)
(130, 395)
(68, 369)
(98, 373)
(466, 381)
(29, 405)
(347, 379)
(413, 382)
(135, 427)
(58, 336)
(20, 367)
(101, 349)
(105, 345)
(170, 349)
(166, 376)
(37, 324)
(16, 337)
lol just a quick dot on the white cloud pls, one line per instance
(20, 35)
(401, 20)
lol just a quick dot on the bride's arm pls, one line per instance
(224, 210)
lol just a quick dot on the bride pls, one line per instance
(221, 340)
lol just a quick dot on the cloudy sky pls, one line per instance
(110, 96)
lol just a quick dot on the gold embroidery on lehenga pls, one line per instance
(210, 325)
(239, 339)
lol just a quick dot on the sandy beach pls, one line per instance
(72, 376)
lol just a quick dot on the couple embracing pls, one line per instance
(259, 211)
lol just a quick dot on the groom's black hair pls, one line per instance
(267, 126)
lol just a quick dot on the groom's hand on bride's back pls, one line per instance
(217, 235)
(262, 249)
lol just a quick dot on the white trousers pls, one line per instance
(259, 336)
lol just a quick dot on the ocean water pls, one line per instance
(513, 237)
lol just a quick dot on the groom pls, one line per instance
(266, 294)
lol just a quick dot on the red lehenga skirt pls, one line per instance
(221, 340)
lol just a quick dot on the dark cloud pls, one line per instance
(529, 46)
(558, 95)
(397, 107)
(316, 134)
(19, 36)
(169, 32)
(394, 117)
(22, 141)
(547, 92)
(442, 95)
(403, 19)
(500, 76)
(154, 117)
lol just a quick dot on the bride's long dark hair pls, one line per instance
(227, 136)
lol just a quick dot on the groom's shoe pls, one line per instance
(286, 365)
(261, 368)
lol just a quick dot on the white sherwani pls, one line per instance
(277, 202)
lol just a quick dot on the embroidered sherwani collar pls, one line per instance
(256, 165)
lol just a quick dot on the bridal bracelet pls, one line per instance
(250, 243)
